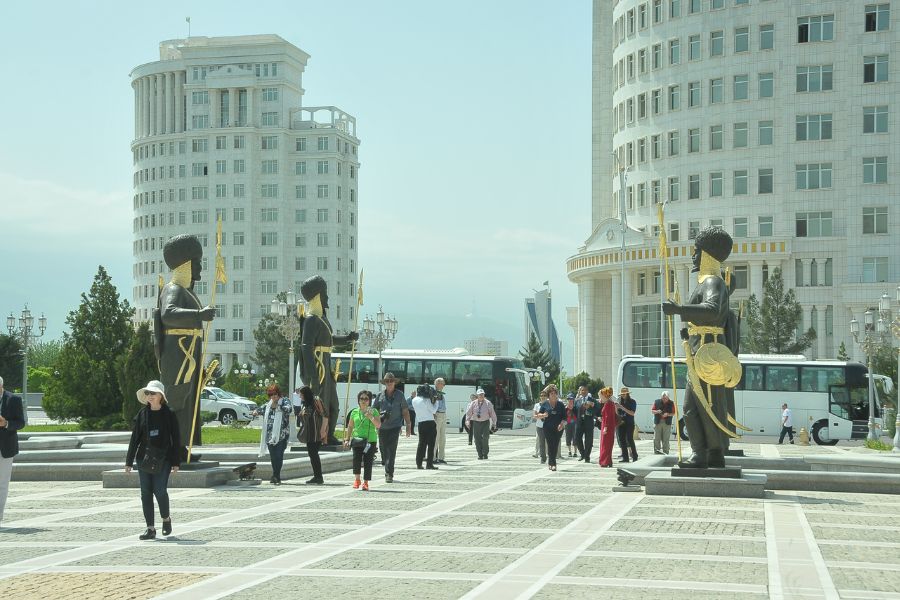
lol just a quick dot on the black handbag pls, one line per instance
(358, 442)
(153, 460)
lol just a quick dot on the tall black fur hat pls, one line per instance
(312, 287)
(182, 248)
(715, 241)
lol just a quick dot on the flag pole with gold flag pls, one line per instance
(206, 373)
(359, 302)
(673, 294)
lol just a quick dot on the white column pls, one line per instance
(251, 107)
(756, 282)
(807, 271)
(151, 104)
(179, 101)
(615, 321)
(170, 102)
(820, 332)
(626, 294)
(137, 106)
(587, 319)
(214, 103)
(145, 106)
(159, 105)
(232, 106)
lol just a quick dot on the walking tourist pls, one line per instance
(12, 419)
(553, 413)
(362, 436)
(540, 444)
(607, 426)
(276, 429)
(481, 418)
(571, 418)
(426, 408)
(787, 424)
(391, 405)
(440, 419)
(663, 409)
(626, 409)
(463, 426)
(155, 446)
(412, 412)
(313, 430)
(584, 426)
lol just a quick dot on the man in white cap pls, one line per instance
(481, 418)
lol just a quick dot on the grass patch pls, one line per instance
(879, 445)
(52, 428)
(230, 435)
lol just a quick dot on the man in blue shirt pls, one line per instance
(391, 405)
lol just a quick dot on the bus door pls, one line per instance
(841, 411)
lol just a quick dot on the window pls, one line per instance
(655, 101)
(741, 87)
(694, 94)
(766, 85)
(237, 311)
(813, 127)
(716, 4)
(740, 183)
(269, 167)
(657, 11)
(693, 187)
(300, 263)
(875, 169)
(199, 145)
(765, 225)
(694, 7)
(322, 143)
(674, 232)
(655, 150)
(219, 335)
(878, 17)
(269, 190)
(237, 335)
(199, 121)
(694, 47)
(875, 269)
(673, 143)
(237, 262)
(237, 238)
(300, 167)
(238, 190)
(813, 224)
(237, 214)
(300, 192)
(269, 215)
(765, 181)
(815, 79)
(322, 167)
(322, 263)
(220, 142)
(715, 184)
(270, 94)
(741, 39)
(717, 43)
(269, 238)
(715, 137)
(322, 215)
(693, 140)
(269, 142)
(199, 193)
(642, 61)
(813, 176)
(766, 37)
(269, 263)
(716, 90)
(673, 189)
(321, 240)
(200, 97)
(674, 97)
(642, 150)
(740, 135)
(199, 169)
(655, 191)
(322, 191)
(239, 142)
(239, 166)
(875, 219)
(815, 29)
(220, 190)
(300, 215)
(642, 16)
(300, 144)
(674, 8)
(875, 68)
(642, 106)
(693, 229)
(766, 133)
(270, 119)
(674, 52)
(642, 194)
(875, 119)
(221, 166)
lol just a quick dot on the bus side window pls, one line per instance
(781, 378)
(753, 377)
(414, 372)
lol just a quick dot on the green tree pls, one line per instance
(572, 384)
(772, 325)
(87, 386)
(135, 368)
(272, 351)
(533, 356)
(44, 354)
(11, 362)
(842, 352)
(38, 377)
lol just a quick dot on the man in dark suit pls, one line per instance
(12, 419)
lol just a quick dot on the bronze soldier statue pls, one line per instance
(178, 332)
(713, 369)
(316, 344)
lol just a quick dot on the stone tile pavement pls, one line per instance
(501, 528)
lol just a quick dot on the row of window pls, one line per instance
(259, 69)
(239, 166)
(238, 190)
(239, 142)
(200, 216)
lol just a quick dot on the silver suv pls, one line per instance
(227, 406)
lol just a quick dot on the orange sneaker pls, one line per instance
(365, 486)
(356, 484)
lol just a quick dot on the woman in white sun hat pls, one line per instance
(155, 444)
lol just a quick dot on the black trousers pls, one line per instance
(387, 441)
(155, 485)
(362, 461)
(276, 453)
(552, 435)
(427, 439)
(625, 434)
(312, 448)
(789, 431)
(412, 420)
(584, 437)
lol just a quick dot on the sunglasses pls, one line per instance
(149, 393)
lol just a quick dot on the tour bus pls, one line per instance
(828, 397)
(503, 379)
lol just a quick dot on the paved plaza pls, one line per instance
(501, 528)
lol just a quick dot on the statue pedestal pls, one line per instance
(661, 483)
(734, 453)
(727, 472)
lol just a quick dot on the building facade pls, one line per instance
(220, 132)
(775, 119)
(539, 322)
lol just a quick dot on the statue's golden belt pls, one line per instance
(198, 332)
(705, 330)
(319, 352)
(189, 364)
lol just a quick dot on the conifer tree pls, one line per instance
(772, 324)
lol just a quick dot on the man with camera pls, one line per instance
(392, 407)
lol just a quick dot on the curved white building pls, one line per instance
(220, 130)
(776, 119)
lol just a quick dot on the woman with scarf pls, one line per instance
(275, 429)
(607, 426)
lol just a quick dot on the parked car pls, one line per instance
(229, 407)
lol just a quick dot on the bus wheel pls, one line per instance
(682, 430)
(820, 433)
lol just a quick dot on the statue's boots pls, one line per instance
(696, 461)
(715, 459)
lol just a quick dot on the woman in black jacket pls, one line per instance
(155, 445)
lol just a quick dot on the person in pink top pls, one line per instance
(607, 426)
(481, 419)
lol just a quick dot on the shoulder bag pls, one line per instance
(153, 460)
(358, 442)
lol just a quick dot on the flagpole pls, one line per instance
(206, 372)
(359, 301)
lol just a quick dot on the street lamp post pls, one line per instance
(872, 338)
(245, 373)
(378, 334)
(893, 324)
(24, 333)
(287, 320)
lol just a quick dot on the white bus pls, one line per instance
(503, 379)
(828, 397)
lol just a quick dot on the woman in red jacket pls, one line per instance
(607, 426)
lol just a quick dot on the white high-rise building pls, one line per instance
(539, 322)
(220, 130)
(776, 119)
(486, 346)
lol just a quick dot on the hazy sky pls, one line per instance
(473, 115)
